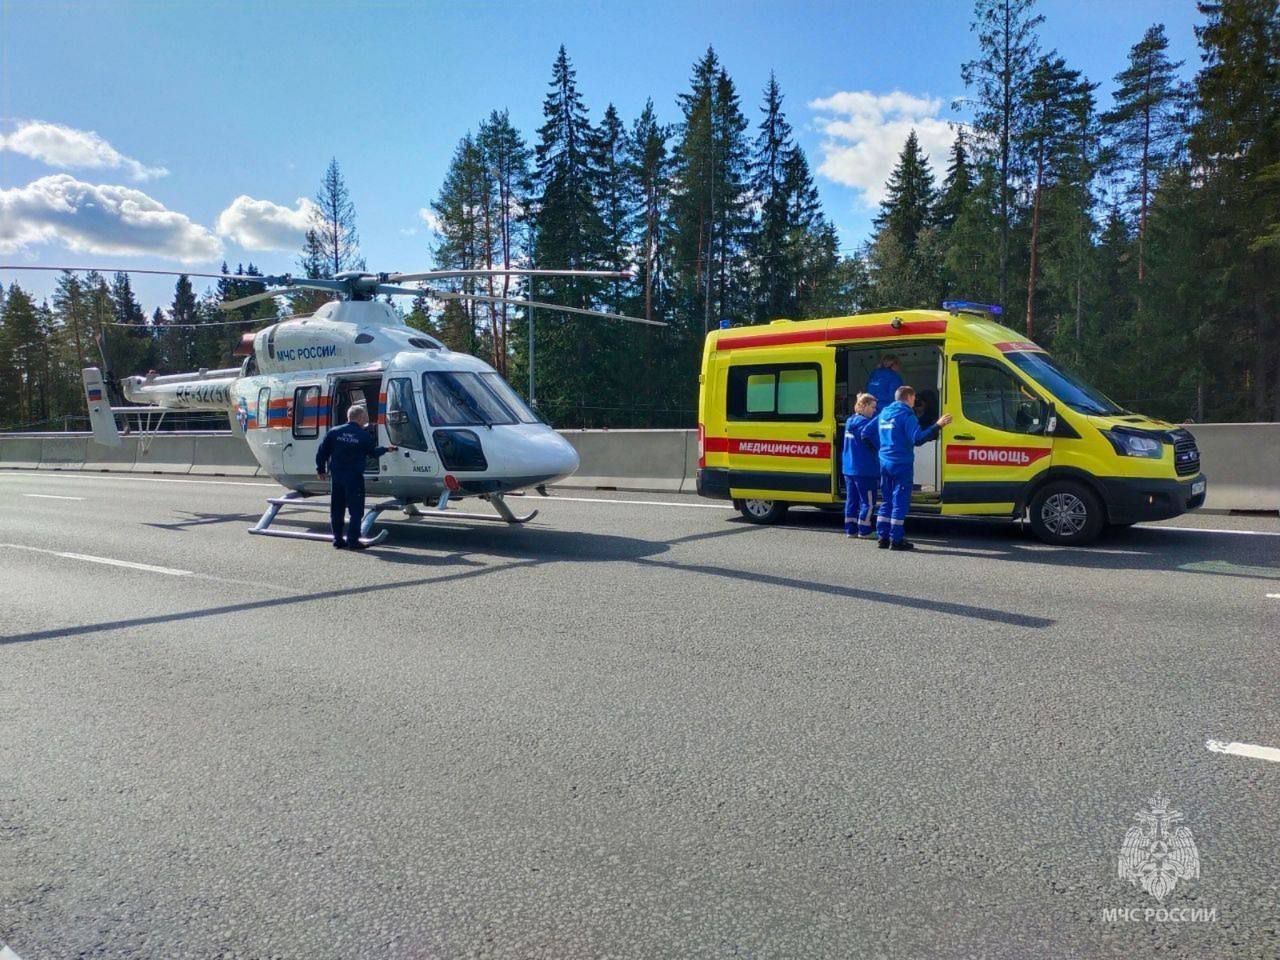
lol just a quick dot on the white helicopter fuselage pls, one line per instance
(457, 424)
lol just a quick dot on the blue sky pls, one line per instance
(197, 104)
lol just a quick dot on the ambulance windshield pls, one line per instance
(1072, 391)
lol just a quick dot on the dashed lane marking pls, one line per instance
(1250, 750)
(50, 496)
(645, 503)
(126, 476)
(7, 954)
(109, 561)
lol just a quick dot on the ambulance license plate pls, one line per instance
(1197, 488)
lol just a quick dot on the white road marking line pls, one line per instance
(50, 496)
(126, 476)
(1243, 533)
(1273, 596)
(650, 503)
(1244, 750)
(7, 954)
(148, 568)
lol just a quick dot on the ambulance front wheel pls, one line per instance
(1066, 513)
(761, 511)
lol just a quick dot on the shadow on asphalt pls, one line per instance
(204, 520)
(1137, 548)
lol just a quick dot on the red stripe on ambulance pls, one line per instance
(995, 456)
(768, 448)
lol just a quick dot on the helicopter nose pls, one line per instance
(541, 453)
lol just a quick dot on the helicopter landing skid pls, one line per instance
(263, 527)
(440, 511)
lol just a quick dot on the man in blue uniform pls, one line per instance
(885, 381)
(861, 467)
(342, 455)
(900, 434)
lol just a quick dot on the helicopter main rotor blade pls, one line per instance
(253, 298)
(449, 295)
(242, 278)
(504, 271)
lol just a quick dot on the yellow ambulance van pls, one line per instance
(1028, 439)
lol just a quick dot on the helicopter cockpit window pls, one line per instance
(509, 397)
(456, 399)
(404, 428)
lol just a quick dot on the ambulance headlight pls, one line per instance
(1135, 444)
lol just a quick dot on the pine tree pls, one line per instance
(1001, 75)
(710, 202)
(1148, 123)
(773, 147)
(956, 186)
(506, 157)
(1059, 102)
(649, 170)
(21, 350)
(610, 149)
(811, 252)
(463, 238)
(908, 205)
(569, 233)
(1235, 141)
(334, 223)
(71, 303)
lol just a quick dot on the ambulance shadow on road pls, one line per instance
(1137, 549)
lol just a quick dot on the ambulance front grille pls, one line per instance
(1186, 455)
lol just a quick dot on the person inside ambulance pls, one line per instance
(885, 380)
(900, 434)
(342, 455)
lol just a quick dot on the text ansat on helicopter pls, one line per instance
(461, 430)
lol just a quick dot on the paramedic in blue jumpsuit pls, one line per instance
(342, 455)
(885, 381)
(861, 468)
(900, 434)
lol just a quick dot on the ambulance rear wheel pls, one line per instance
(1066, 513)
(761, 511)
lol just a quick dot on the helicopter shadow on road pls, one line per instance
(202, 520)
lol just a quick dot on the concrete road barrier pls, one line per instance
(62, 453)
(1242, 462)
(628, 459)
(20, 452)
(689, 484)
(223, 457)
(165, 454)
(121, 459)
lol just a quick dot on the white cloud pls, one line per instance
(427, 216)
(99, 218)
(864, 133)
(68, 148)
(263, 225)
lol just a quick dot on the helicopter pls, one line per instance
(460, 429)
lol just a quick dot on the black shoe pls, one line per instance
(902, 545)
(357, 546)
(339, 544)
(883, 543)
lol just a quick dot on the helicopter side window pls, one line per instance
(264, 408)
(306, 413)
(404, 428)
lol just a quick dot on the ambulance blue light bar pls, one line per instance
(968, 306)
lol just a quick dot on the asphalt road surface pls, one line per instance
(630, 729)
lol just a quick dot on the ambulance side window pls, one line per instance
(306, 413)
(404, 426)
(264, 407)
(771, 392)
(995, 398)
